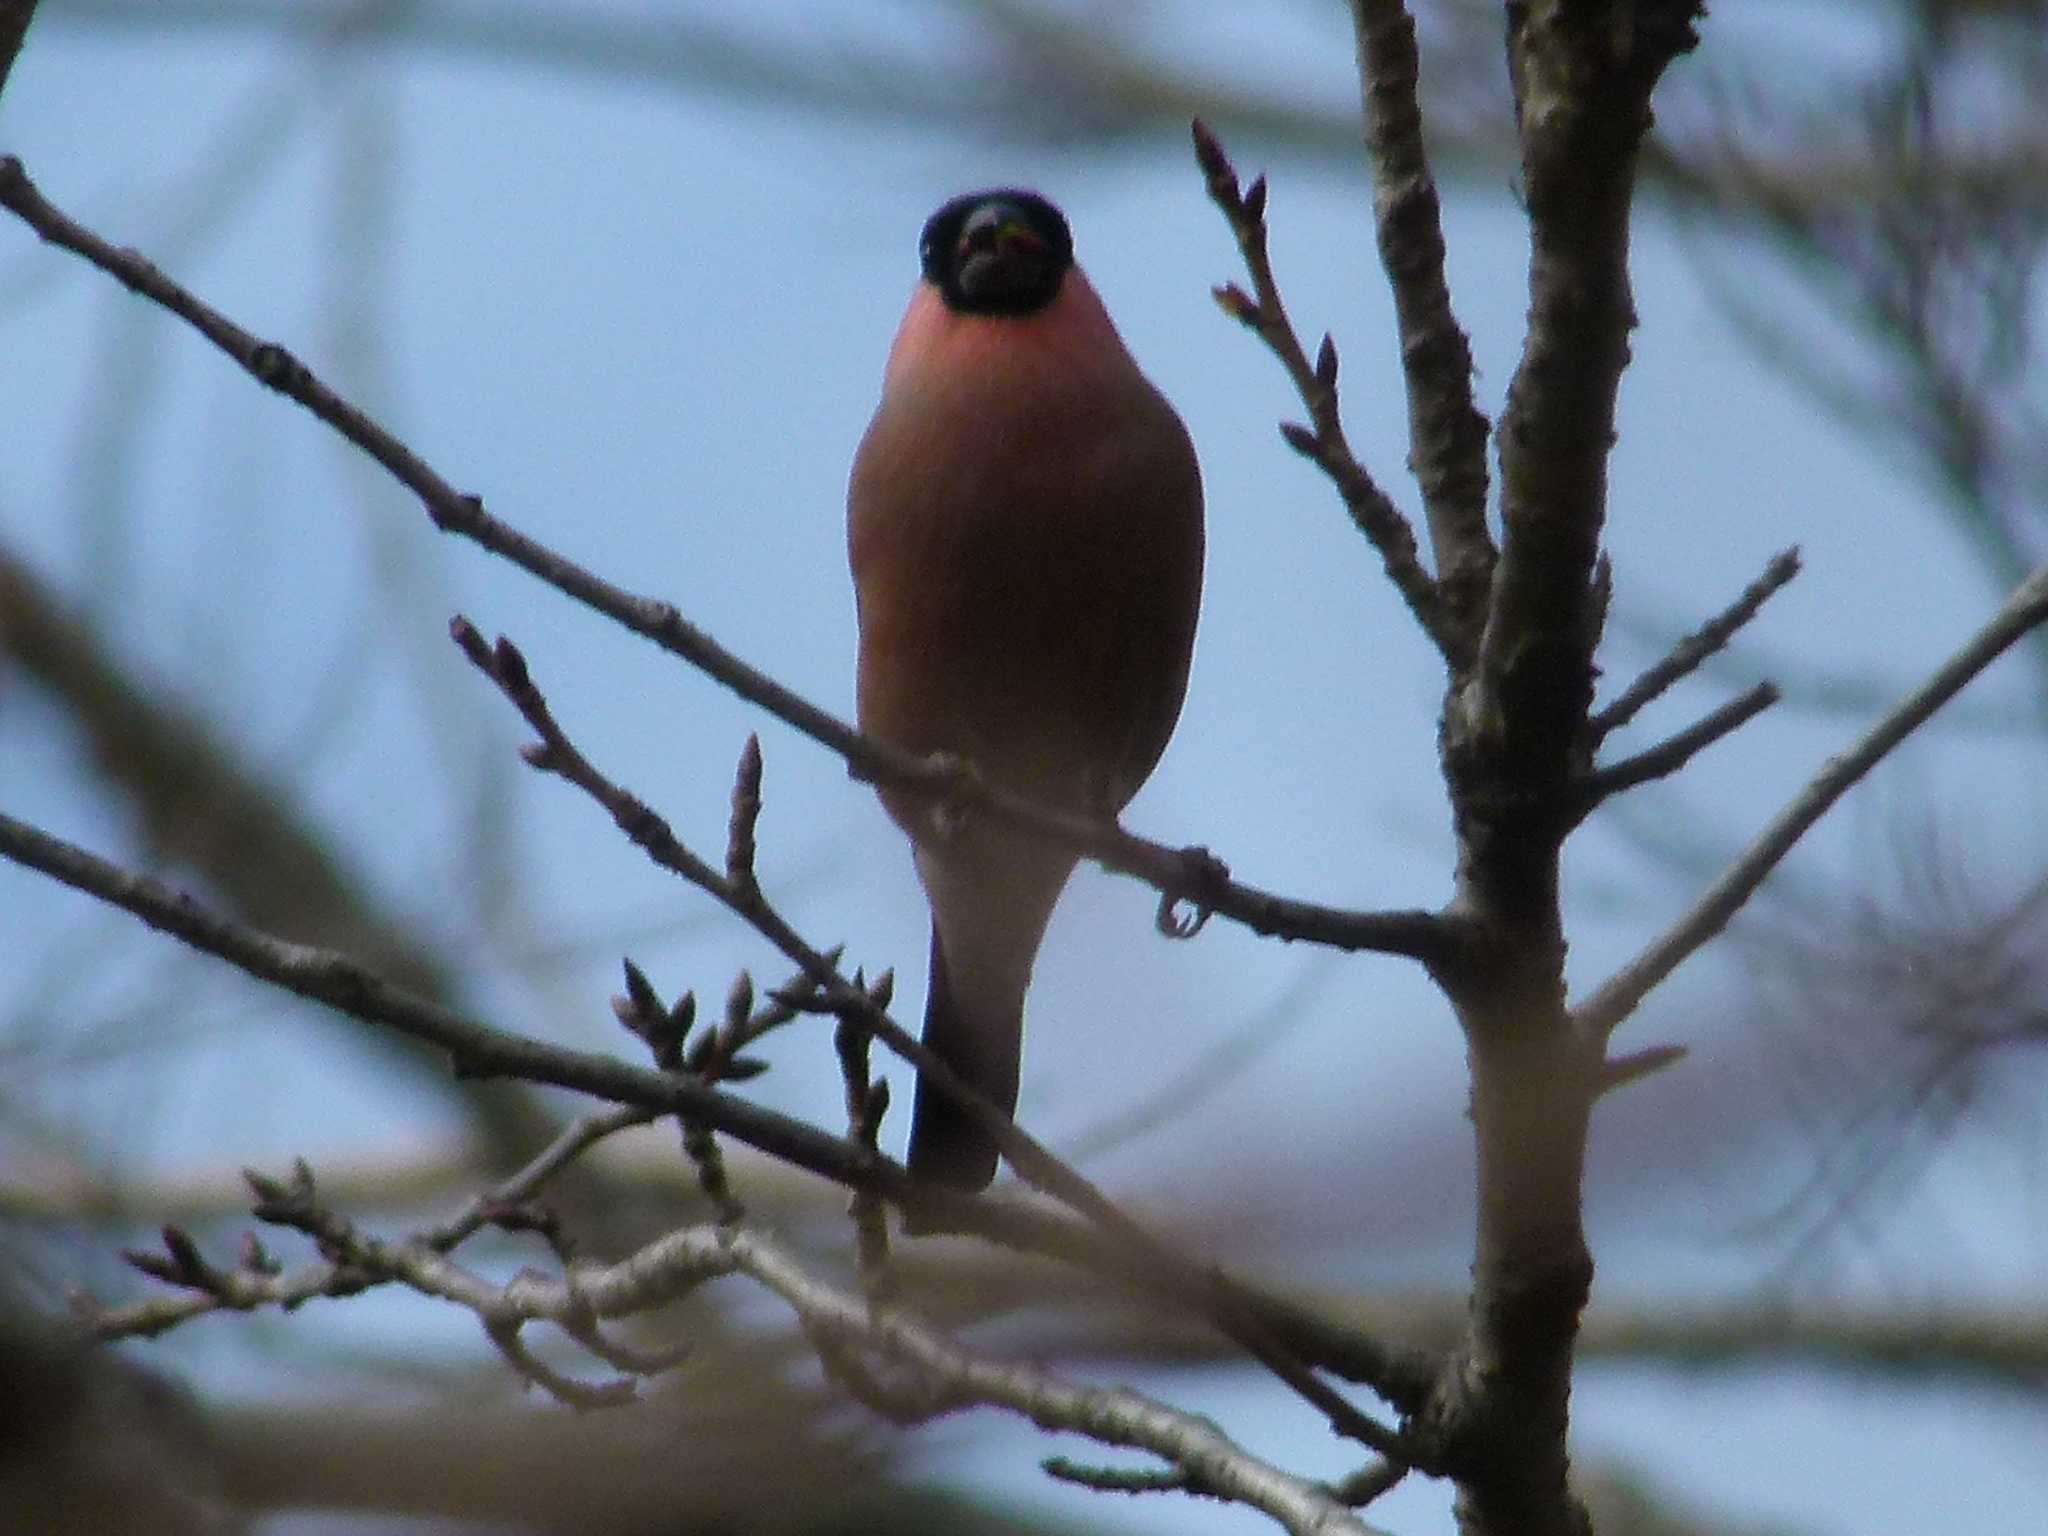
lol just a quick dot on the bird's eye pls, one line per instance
(999, 229)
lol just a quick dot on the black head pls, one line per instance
(1000, 252)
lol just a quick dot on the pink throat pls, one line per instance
(937, 340)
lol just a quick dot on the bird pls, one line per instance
(1025, 532)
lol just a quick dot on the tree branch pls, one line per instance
(1673, 753)
(201, 806)
(1323, 441)
(848, 1327)
(855, 1005)
(475, 1049)
(1695, 648)
(1620, 995)
(1401, 1375)
(1447, 434)
(1582, 83)
(1515, 744)
(1188, 875)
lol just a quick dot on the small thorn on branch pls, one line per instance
(1120, 1479)
(1216, 167)
(182, 1264)
(1302, 440)
(644, 1005)
(739, 1002)
(1620, 1071)
(278, 1202)
(801, 997)
(251, 1255)
(465, 635)
(1254, 205)
(511, 665)
(662, 1028)
(746, 814)
(1238, 304)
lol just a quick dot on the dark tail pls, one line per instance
(946, 1146)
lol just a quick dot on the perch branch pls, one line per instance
(555, 753)
(1187, 875)
(1401, 1375)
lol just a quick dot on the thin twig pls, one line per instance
(1619, 996)
(578, 1137)
(1401, 1374)
(476, 1049)
(1099, 1479)
(933, 1374)
(1111, 1416)
(1191, 876)
(1619, 1071)
(555, 753)
(1672, 754)
(1323, 440)
(1447, 433)
(1195, 876)
(1695, 648)
(867, 1101)
(1368, 1483)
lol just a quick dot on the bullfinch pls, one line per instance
(1024, 523)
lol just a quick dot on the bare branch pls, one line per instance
(1447, 434)
(855, 1005)
(1122, 1479)
(1990, 1345)
(1189, 875)
(200, 804)
(1985, 1343)
(1323, 441)
(1368, 1483)
(1696, 647)
(1113, 1416)
(1514, 744)
(853, 1334)
(578, 1137)
(1672, 754)
(1402, 1375)
(1620, 1071)
(476, 1049)
(867, 1102)
(1582, 88)
(1620, 995)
